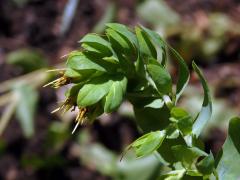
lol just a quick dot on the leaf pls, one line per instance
(120, 43)
(206, 165)
(115, 95)
(165, 149)
(80, 74)
(81, 62)
(229, 157)
(183, 120)
(28, 60)
(187, 155)
(26, 107)
(148, 143)
(173, 175)
(145, 45)
(151, 119)
(98, 43)
(206, 111)
(183, 75)
(94, 91)
(159, 44)
(123, 30)
(160, 77)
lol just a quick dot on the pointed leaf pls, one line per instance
(26, 107)
(94, 91)
(229, 156)
(206, 111)
(160, 77)
(148, 143)
(115, 95)
(145, 45)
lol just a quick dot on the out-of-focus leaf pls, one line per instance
(148, 143)
(106, 18)
(115, 95)
(25, 110)
(28, 60)
(161, 78)
(206, 111)
(107, 162)
(94, 91)
(158, 13)
(229, 157)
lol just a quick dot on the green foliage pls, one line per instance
(27, 60)
(126, 65)
(26, 105)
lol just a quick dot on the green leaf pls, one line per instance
(187, 155)
(145, 45)
(151, 119)
(148, 143)
(81, 62)
(183, 75)
(159, 44)
(183, 120)
(123, 30)
(80, 74)
(115, 95)
(121, 44)
(206, 165)
(97, 43)
(94, 91)
(173, 175)
(28, 60)
(27, 102)
(229, 156)
(165, 149)
(206, 111)
(160, 77)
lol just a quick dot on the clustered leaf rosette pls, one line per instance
(131, 65)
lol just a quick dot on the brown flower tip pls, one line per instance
(64, 80)
(66, 105)
(81, 117)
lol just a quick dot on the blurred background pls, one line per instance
(35, 34)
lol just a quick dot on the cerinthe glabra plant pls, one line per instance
(126, 65)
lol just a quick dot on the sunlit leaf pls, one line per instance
(160, 77)
(94, 91)
(229, 156)
(115, 95)
(206, 111)
(148, 143)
